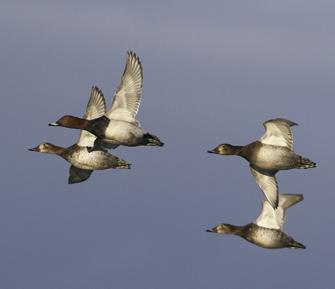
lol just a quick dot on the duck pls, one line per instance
(83, 161)
(267, 230)
(118, 126)
(266, 156)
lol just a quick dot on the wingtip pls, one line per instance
(279, 119)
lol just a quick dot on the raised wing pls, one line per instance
(278, 132)
(127, 97)
(267, 217)
(275, 218)
(96, 107)
(77, 175)
(267, 182)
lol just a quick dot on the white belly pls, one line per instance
(123, 133)
(96, 160)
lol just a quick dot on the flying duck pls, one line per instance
(118, 126)
(82, 161)
(266, 156)
(267, 230)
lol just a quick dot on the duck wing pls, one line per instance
(274, 218)
(278, 132)
(267, 182)
(286, 201)
(267, 217)
(127, 97)
(96, 107)
(77, 175)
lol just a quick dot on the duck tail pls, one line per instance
(296, 245)
(152, 140)
(305, 163)
(121, 164)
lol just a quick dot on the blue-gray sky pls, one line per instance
(213, 72)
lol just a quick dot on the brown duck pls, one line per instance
(266, 230)
(266, 156)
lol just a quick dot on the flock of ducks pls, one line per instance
(268, 155)
(102, 129)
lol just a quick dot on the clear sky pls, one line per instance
(213, 72)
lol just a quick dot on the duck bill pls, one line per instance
(53, 124)
(35, 149)
(212, 151)
(211, 230)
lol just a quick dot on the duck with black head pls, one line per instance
(266, 156)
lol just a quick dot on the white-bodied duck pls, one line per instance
(119, 126)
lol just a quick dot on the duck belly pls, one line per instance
(266, 238)
(95, 160)
(123, 133)
(275, 158)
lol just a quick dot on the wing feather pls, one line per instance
(267, 182)
(278, 132)
(77, 175)
(274, 218)
(96, 107)
(127, 97)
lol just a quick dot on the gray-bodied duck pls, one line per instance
(266, 230)
(266, 156)
(119, 126)
(82, 161)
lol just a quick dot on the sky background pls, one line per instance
(213, 72)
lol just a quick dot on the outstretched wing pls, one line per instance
(77, 175)
(274, 218)
(127, 97)
(278, 132)
(267, 217)
(267, 182)
(96, 107)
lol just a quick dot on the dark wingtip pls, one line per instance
(276, 204)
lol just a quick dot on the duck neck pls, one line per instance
(53, 149)
(76, 122)
(236, 230)
(238, 150)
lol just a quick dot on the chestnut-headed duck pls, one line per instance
(266, 230)
(82, 161)
(266, 156)
(118, 126)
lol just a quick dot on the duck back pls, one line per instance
(269, 157)
(269, 238)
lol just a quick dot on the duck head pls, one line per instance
(70, 122)
(224, 229)
(43, 148)
(223, 149)
(48, 148)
